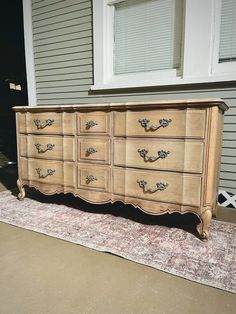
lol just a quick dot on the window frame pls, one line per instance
(224, 67)
(29, 52)
(199, 57)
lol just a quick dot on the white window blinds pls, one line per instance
(227, 50)
(147, 35)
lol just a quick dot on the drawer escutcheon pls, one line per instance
(90, 178)
(160, 186)
(41, 149)
(90, 151)
(161, 154)
(39, 171)
(42, 125)
(89, 124)
(163, 123)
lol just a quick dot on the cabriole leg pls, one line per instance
(21, 195)
(206, 219)
(215, 207)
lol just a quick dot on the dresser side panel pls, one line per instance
(215, 133)
(21, 122)
(22, 140)
(23, 167)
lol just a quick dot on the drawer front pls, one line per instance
(93, 123)
(47, 171)
(158, 186)
(158, 123)
(93, 177)
(46, 123)
(47, 147)
(91, 149)
(176, 155)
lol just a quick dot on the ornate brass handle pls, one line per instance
(90, 178)
(160, 186)
(41, 149)
(39, 171)
(161, 154)
(90, 124)
(42, 125)
(90, 151)
(163, 123)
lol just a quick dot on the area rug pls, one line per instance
(156, 241)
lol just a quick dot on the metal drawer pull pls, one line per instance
(90, 151)
(163, 123)
(161, 154)
(39, 171)
(90, 124)
(160, 186)
(41, 149)
(41, 125)
(90, 178)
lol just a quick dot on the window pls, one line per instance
(225, 37)
(147, 35)
(163, 42)
(227, 50)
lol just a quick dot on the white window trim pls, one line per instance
(29, 53)
(200, 62)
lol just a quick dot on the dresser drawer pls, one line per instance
(47, 171)
(94, 150)
(93, 177)
(47, 147)
(175, 155)
(46, 123)
(93, 123)
(158, 123)
(158, 186)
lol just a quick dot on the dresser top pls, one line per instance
(162, 104)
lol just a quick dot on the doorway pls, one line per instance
(13, 87)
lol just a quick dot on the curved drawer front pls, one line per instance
(93, 123)
(46, 123)
(158, 123)
(91, 149)
(176, 155)
(47, 171)
(47, 147)
(158, 186)
(93, 177)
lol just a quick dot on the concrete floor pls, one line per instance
(43, 275)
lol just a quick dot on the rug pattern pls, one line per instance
(169, 249)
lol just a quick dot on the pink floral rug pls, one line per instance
(168, 243)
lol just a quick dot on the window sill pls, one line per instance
(117, 83)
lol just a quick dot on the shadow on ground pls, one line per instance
(187, 222)
(8, 176)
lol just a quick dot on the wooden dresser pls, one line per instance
(159, 156)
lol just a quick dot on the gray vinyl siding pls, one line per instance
(63, 55)
(63, 52)
(228, 161)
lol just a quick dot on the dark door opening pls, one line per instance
(13, 87)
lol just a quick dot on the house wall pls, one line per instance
(63, 58)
